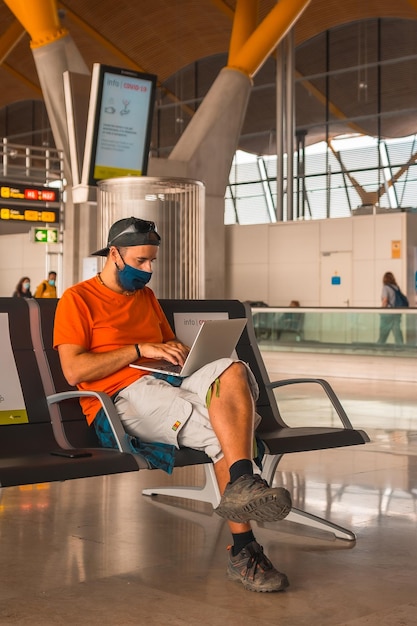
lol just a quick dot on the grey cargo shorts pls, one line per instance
(154, 410)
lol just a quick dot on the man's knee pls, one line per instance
(236, 372)
(236, 378)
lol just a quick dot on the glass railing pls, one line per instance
(347, 330)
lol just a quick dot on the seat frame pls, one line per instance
(277, 435)
(279, 438)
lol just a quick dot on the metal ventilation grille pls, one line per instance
(177, 208)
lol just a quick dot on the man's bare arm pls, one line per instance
(80, 365)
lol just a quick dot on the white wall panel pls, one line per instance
(388, 228)
(20, 257)
(294, 281)
(247, 281)
(336, 279)
(293, 252)
(244, 243)
(366, 288)
(363, 237)
(336, 235)
(293, 241)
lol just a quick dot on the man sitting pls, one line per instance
(112, 320)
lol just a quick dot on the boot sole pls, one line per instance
(266, 588)
(260, 510)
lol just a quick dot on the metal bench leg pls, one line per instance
(313, 521)
(270, 463)
(208, 493)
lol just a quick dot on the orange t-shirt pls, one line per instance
(98, 319)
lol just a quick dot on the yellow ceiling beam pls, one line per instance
(244, 24)
(267, 35)
(40, 19)
(10, 39)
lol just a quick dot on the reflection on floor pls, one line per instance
(96, 551)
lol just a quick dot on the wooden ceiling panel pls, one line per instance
(160, 36)
(322, 15)
(165, 36)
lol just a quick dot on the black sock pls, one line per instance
(239, 468)
(240, 540)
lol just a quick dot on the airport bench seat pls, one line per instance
(58, 422)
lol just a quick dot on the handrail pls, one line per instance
(35, 163)
(365, 330)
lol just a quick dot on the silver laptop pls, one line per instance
(216, 339)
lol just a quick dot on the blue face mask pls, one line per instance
(132, 279)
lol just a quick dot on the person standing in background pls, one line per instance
(291, 322)
(23, 288)
(47, 288)
(390, 322)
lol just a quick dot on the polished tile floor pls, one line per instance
(95, 551)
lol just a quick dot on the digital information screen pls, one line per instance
(31, 193)
(12, 213)
(119, 123)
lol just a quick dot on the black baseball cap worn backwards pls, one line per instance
(130, 231)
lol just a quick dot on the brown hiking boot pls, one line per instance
(251, 498)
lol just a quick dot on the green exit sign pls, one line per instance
(45, 235)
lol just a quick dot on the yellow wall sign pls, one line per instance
(396, 249)
(20, 214)
(12, 404)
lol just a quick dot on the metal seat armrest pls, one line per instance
(108, 408)
(328, 390)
